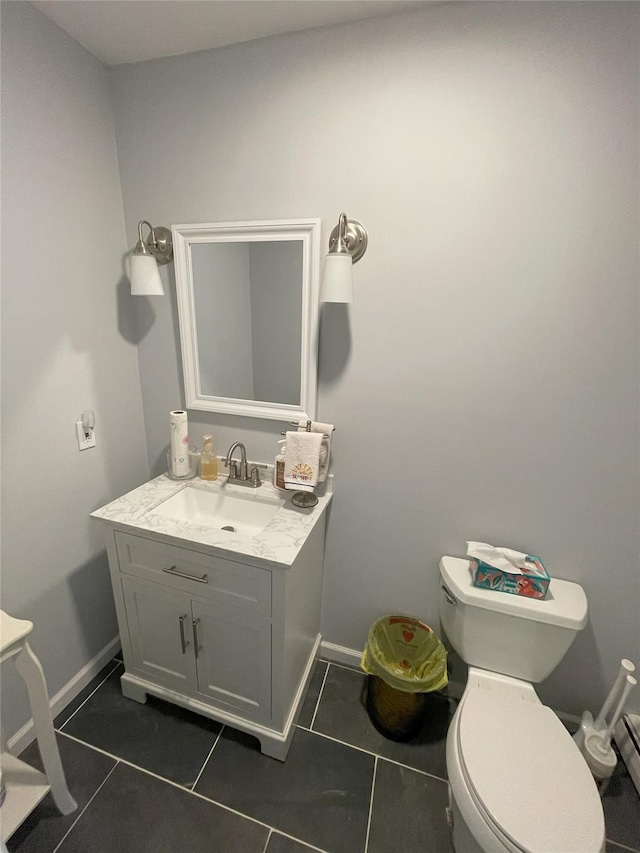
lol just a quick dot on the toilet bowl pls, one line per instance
(518, 783)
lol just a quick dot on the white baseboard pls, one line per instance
(340, 654)
(24, 736)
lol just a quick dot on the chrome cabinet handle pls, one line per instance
(449, 596)
(173, 571)
(184, 642)
(195, 637)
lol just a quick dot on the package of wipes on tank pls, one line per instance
(506, 570)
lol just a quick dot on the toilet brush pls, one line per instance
(587, 724)
(626, 668)
(596, 747)
(630, 683)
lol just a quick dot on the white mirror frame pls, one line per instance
(308, 231)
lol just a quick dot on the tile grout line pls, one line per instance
(192, 788)
(373, 788)
(264, 850)
(315, 710)
(375, 755)
(304, 843)
(168, 781)
(342, 665)
(186, 791)
(59, 844)
(110, 673)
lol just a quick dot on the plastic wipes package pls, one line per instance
(406, 654)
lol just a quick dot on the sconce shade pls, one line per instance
(145, 276)
(158, 249)
(337, 279)
(347, 244)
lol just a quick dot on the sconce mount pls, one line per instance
(354, 235)
(158, 243)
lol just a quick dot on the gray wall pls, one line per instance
(484, 383)
(68, 344)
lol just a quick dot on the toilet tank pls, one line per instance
(522, 637)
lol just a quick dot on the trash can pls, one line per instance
(405, 660)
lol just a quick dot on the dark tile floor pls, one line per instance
(157, 779)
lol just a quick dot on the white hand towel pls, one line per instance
(325, 451)
(302, 461)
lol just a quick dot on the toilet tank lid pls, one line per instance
(564, 606)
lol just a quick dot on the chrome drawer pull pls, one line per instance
(183, 641)
(173, 571)
(195, 637)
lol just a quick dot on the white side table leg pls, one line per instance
(31, 671)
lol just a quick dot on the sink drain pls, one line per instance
(229, 528)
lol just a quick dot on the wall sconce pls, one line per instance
(347, 244)
(158, 249)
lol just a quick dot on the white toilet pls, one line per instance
(518, 783)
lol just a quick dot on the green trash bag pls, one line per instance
(406, 654)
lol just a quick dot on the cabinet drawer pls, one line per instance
(237, 584)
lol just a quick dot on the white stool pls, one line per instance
(25, 787)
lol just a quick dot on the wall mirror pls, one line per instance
(248, 311)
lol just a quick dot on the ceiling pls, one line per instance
(119, 31)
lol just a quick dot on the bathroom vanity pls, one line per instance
(223, 622)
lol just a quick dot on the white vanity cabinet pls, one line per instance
(195, 646)
(234, 638)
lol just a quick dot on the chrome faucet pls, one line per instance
(242, 477)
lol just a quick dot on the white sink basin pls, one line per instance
(247, 515)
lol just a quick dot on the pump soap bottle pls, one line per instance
(208, 459)
(278, 466)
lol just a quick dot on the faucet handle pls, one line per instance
(233, 468)
(255, 475)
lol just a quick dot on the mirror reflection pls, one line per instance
(248, 305)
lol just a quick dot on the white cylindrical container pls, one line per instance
(179, 444)
(600, 758)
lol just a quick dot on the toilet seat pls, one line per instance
(526, 776)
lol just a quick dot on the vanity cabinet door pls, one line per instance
(160, 630)
(233, 658)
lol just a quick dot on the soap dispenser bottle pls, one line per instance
(208, 459)
(278, 467)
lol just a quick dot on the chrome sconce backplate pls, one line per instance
(355, 237)
(160, 244)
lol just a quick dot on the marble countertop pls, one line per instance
(278, 544)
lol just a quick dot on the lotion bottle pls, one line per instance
(278, 467)
(208, 459)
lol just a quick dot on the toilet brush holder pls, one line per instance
(593, 738)
(600, 758)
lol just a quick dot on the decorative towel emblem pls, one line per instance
(302, 471)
